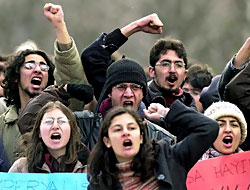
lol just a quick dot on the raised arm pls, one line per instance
(237, 91)
(55, 15)
(235, 65)
(97, 56)
(67, 60)
(148, 24)
(243, 55)
(68, 66)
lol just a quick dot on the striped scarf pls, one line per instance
(130, 182)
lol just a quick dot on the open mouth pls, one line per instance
(55, 136)
(36, 81)
(128, 104)
(172, 79)
(227, 140)
(127, 143)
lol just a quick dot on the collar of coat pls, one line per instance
(11, 115)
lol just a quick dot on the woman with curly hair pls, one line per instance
(124, 158)
(53, 144)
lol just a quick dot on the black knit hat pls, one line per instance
(123, 70)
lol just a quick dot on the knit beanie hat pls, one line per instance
(124, 70)
(222, 109)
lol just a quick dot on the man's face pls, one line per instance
(33, 80)
(195, 93)
(128, 95)
(169, 72)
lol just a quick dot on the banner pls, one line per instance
(231, 172)
(35, 181)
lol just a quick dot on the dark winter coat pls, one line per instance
(175, 161)
(237, 91)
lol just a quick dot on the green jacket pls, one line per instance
(10, 133)
(69, 69)
(68, 65)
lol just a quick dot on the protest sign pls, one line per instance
(231, 172)
(35, 181)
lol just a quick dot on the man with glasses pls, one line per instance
(27, 76)
(168, 69)
(168, 62)
(125, 86)
(31, 71)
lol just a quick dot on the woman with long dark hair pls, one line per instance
(53, 144)
(124, 158)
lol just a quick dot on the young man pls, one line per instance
(168, 62)
(198, 77)
(31, 72)
(168, 69)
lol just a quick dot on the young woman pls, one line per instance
(53, 144)
(124, 158)
(232, 131)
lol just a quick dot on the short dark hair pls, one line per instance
(163, 45)
(12, 76)
(199, 76)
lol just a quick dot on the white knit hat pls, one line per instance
(221, 109)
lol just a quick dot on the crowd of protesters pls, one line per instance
(91, 113)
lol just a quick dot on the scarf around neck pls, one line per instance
(213, 153)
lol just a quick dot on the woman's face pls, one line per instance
(55, 131)
(124, 137)
(229, 135)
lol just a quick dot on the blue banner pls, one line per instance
(38, 181)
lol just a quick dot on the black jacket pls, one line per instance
(156, 96)
(97, 57)
(227, 75)
(237, 91)
(210, 93)
(88, 122)
(175, 161)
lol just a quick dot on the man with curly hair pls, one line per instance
(31, 71)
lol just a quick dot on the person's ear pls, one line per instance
(151, 72)
(185, 74)
(106, 142)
